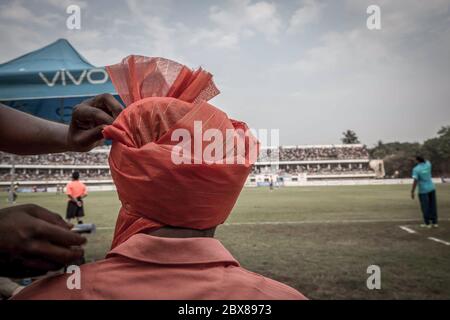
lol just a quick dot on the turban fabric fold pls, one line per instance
(163, 96)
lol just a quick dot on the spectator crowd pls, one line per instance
(99, 157)
(315, 153)
(69, 158)
(53, 175)
(317, 169)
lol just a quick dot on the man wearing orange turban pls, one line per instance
(174, 191)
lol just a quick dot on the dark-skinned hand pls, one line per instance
(34, 241)
(88, 120)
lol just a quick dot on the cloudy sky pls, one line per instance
(309, 68)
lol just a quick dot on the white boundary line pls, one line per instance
(409, 230)
(439, 240)
(323, 222)
(404, 228)
(348, 221)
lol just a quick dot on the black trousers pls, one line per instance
(74, 211)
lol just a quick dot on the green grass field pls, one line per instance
(319, 240)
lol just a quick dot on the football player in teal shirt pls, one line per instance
(427, 192)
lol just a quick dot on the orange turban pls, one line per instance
(163, 96)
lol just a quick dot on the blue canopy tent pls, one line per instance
(50, 81)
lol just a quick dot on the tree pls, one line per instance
(438, 151)
(400, 156)
(349, 137)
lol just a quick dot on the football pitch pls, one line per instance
(320, 240)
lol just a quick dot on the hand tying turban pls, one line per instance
(164, 98)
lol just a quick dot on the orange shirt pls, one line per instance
(76, 189)
(146, 267)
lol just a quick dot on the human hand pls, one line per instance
(34, 241)
(88, 120)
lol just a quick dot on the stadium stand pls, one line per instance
(318, 159)
(54, 170)
(304, 162)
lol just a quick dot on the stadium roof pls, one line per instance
(49, 81)
(59, 55)
(54, 71)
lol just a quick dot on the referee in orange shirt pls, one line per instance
(76, 191)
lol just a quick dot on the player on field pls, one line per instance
(427, 192)
(76, 191)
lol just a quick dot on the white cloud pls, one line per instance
(387, 84)
(17, 11)
(359, 50)
(214, 38)
(63, 4)
(237, 15)
(19, 40)
(160, 37)
(263, 17)
(403, 17)
(353, 51)
(307, 14)
(237, 20)
(104, 57)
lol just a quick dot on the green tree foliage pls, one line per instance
(399, 157)
(438, 151)
(349, 137)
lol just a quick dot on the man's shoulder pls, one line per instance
(268, 288)
(60, 286)
(420, 167)
(49, 288)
